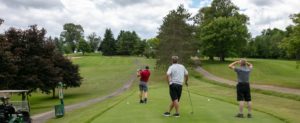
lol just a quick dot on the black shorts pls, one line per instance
(175, 91)
(243, 92)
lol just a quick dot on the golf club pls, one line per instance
(190, 100)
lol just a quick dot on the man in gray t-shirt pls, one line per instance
(243, 87)
(243, 73)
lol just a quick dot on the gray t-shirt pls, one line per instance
(242, 74)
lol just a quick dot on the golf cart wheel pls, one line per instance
(26, 117)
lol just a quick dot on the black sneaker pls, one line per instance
(249, 115)
(167, 114)
(145, 100)
(239, 115)
(141, 101)
(176, 115)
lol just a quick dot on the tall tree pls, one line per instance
(67, 48)
(68, 72)
(29, 61)
(94, 41)
(222, 29)
(128, 42)
(72, 34)
(151, 47)
(8, 68)
(59, 44)
(83, 46)
(266, 45)
(292, 42)
(223, 37)
(175, 36)
(139, 48)
(108, 45)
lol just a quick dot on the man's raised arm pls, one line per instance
(249, 65)
(232, 65)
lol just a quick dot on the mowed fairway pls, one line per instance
(101, 76)
(126, 109)
(269, 72)
(212, 104)
(211, 111)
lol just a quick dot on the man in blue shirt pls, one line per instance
(243, 87)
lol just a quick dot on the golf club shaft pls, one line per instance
(190, 99)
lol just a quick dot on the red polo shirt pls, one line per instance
(145, 74)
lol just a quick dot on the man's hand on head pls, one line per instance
(249, 65)
(232, 65)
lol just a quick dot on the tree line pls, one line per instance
(72, 40)
(220, 31)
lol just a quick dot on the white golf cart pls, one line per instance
(14, 111)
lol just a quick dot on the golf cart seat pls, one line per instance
(6, 111)
(20, 105)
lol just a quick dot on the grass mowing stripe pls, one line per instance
(110, 107)
(281, 73)
(278, 94)
(235, 103)
(266, 92)
(269, 93)
(131, 111)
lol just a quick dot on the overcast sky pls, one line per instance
(143, 16)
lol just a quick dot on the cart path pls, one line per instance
(43, 117)
(210, 76)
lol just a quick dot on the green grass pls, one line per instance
(196, 75)
(221, 107)
(91, 112)
(211, 111)
(269, 72)
(282, 108)
(125, 108)
(102, 75)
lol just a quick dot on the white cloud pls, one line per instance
(43, 4)
(268, 13)
(143, 16)
(94, 15)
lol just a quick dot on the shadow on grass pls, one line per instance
(42, 107)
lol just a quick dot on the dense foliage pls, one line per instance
(108, 45)
(175, 37)
(222, 30)
(30, 61)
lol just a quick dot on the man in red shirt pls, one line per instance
(144, 77)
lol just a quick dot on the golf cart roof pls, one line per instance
(8, 93)
(13, 91)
